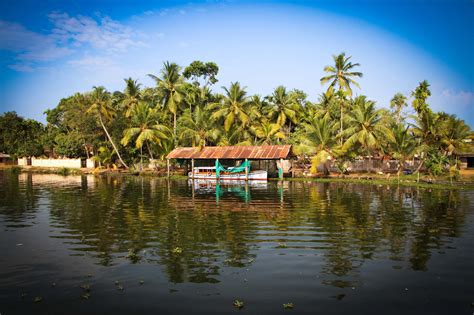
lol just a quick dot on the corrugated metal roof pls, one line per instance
(264, 152)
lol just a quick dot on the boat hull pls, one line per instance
(256, 175)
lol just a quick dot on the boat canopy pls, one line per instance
(235, 169)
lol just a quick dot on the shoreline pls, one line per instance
(426, 181)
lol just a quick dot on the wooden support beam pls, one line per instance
(168, 167)
(280, 171)
(192, 168)
(246, 170)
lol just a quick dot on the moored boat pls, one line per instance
(227, 174)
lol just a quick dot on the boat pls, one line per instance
(219, 172)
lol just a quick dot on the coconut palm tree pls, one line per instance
(318, 140)
(131, 95)
(401, 144)
(268, 132)
(283, 106)
(365, 130)
(145, 129)
(102, 109)
(197, 127)
(170, 85)
(453, 133)
(341, 75)
(398, 102)
(420, 94)
(233, 106)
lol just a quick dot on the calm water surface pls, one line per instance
(146, 246)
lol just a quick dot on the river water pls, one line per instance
(131, 245)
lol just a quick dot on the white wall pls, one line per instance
(69, 163)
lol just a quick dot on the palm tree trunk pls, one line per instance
(141, 158)
(111, 141)
(149, 151)
(174, 128)
(342, 115)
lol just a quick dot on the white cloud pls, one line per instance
(183, 44)
(457, 98)
(89, 61)
(27, 45)
(21, 67)
(104, 34)
(70, 35)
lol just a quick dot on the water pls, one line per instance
(327, 248)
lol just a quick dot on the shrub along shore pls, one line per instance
(465, 181)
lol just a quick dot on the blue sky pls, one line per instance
(51, 49)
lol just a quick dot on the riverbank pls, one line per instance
(466, 180)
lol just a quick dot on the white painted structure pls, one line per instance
(69, 163)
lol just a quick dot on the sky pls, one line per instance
(51, 49)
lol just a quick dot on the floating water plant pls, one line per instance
(85, 296)
(281, 245)
(288, 306)
(38, 299)
(53, 284)
(238, 304)
(141, 281)
(116, 282)
(177, 250)
(120, 287)
(85, 287)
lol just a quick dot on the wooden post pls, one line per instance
(280, 172)
(168, 167)
(292, 170)
(246, 170)
(192, 168)
(217, 163)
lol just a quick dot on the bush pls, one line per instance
(437, 163)
(64, 171)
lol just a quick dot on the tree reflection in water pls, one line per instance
(144, 220)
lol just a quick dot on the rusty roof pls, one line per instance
(264, 152)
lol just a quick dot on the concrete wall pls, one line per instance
(69, 163)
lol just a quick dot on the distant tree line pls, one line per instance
(141, 123)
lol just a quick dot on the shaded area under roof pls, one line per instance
(264, 152)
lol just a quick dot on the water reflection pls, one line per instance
(330, 231)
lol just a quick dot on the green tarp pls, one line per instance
(236, 169)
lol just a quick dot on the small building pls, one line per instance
(6, 159)
(56, 163)
(272, 158)
(467, 160)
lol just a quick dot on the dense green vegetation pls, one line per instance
(181, 110)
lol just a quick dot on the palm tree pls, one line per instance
(144, 128)
(401, 144)
(234, 106)
(131, 95)
(268, 132)
(197, 127)
(341, 75)
(365, 129)
(453, 133)
(170, 85)
(421, 93)
(318, 139)
(101, 107)
(283, 106)
(398, 102)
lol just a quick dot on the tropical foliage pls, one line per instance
(181, 109)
